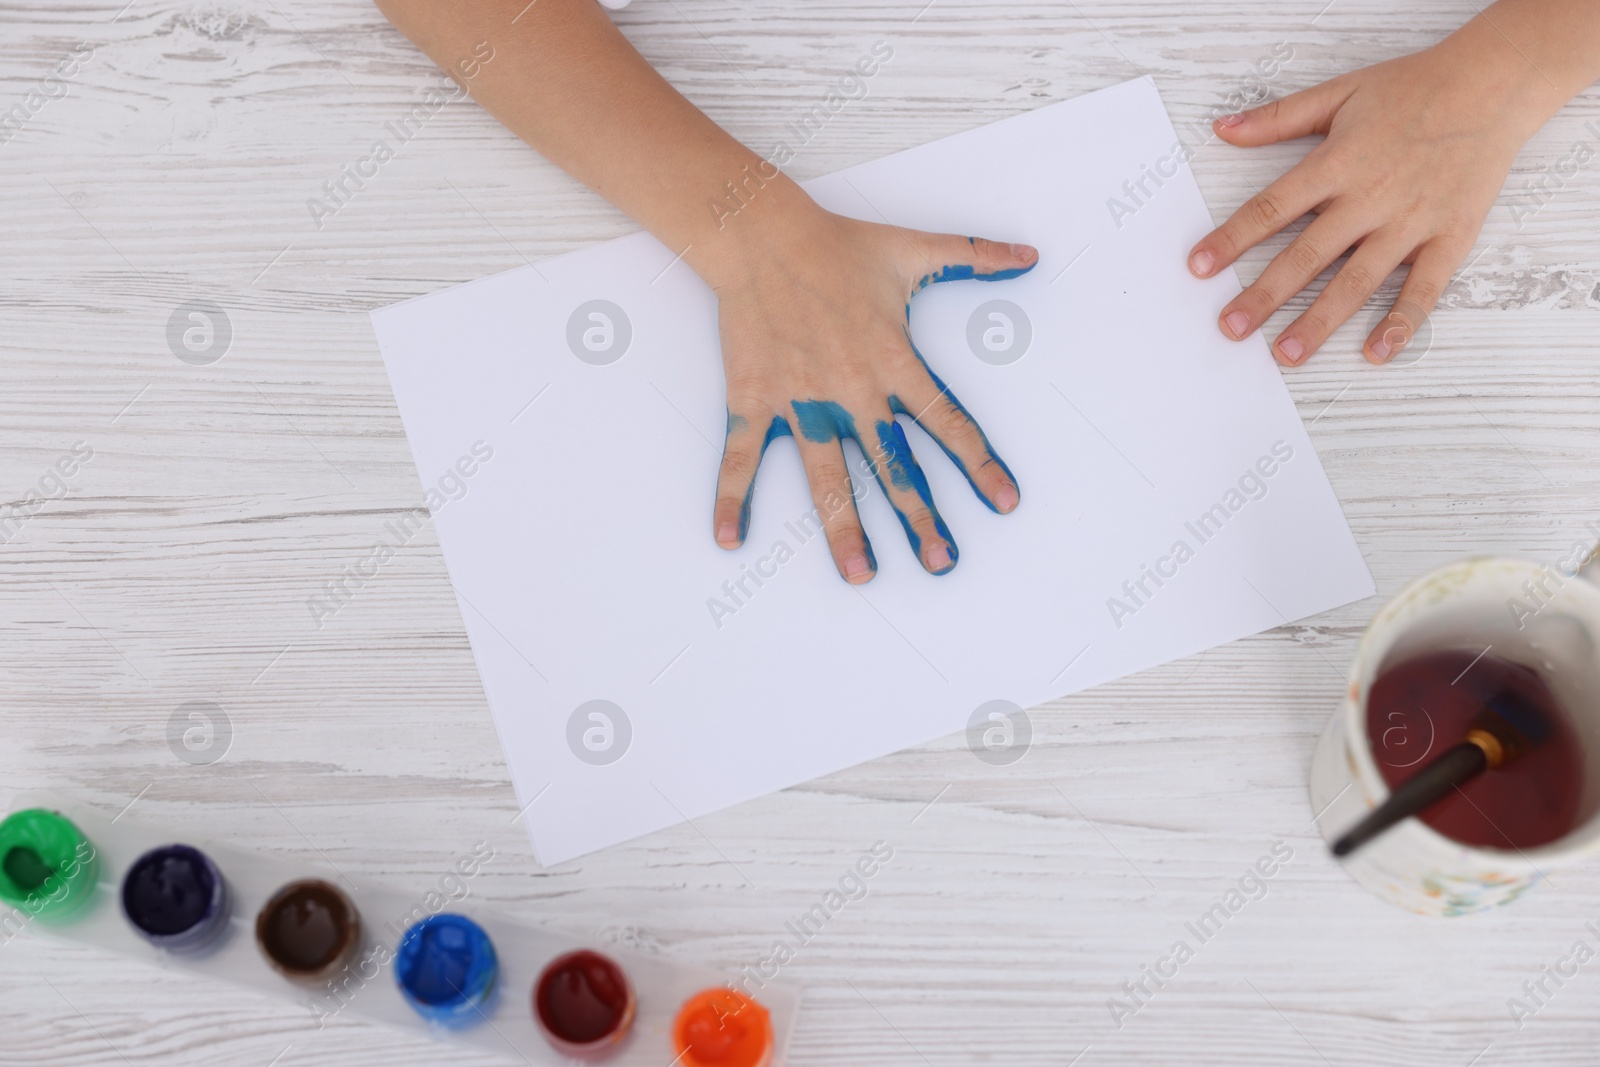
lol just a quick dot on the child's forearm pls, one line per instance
(1552, 45)
(571, 86)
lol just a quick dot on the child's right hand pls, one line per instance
(813, 310)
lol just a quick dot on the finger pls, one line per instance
(1297, 115)
(949, 258)
(835, 502)
(1430, 273)
(935, 408)
(1289, 272)
(747, 441)
(1346, 294)
(906, 487)
(1263, 215)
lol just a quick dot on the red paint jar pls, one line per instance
(584, 1004)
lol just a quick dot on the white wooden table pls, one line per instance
(177, 564)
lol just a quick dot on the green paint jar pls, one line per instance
(48, 869)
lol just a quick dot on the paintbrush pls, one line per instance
(1507, 727)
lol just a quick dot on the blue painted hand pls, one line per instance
(816, 345)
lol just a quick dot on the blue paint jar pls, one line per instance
(446, 967)
(176, 898)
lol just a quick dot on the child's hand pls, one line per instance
(1416, 152)
(815, 343)
(813, 307)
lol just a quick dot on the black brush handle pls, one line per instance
(1460, 764)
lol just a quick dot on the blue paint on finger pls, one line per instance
(892, 464)
(777, 428)
(737, 423)
(896, 458)
(958, 272)
(955, 272)
(1004, 275)
(961, 272)
(866, 550)
(929, 427)
(823, 420)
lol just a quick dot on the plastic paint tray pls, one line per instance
(368, 989)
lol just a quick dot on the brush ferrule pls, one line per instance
(1494, 751)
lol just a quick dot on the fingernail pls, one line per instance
(1238, 322)
(1231, 120)
(1006, 499)
(1381, 350)
(938, 558)
(855, 566)
(1201, 263)
(1292, 349)
(1023, 252)
(727, 534)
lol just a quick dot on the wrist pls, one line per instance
(1476, 72)
(750, 218)
(1512, 63)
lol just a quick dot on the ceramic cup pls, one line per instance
(1544, 617)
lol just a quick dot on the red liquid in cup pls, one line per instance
(1421, 708)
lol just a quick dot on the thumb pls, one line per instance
(1296, 115)
(949, 258)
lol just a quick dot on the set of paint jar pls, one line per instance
(287, 928)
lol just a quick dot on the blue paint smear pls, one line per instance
(929, 427)
(1007, 274)
(896, 456)
(819, 421)
(779, 428)
(959, 272)
(823, 420)
(866, 550)
(955, 272)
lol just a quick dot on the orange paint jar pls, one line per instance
(722, 1028)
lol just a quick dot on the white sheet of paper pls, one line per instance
(581, 551)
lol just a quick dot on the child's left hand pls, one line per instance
(1416, 151)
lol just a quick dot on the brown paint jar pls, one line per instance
(309, 930)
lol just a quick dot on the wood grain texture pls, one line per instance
(1020, 898)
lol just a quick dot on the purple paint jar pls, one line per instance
(175, 897)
